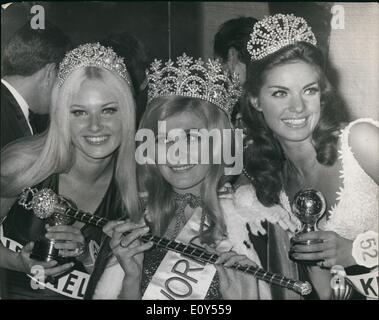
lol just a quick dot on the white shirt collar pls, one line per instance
(20, 100)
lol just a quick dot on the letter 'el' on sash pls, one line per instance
(72, 285)
(179, 277)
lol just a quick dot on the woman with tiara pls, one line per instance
(86, 155)
(302, 140)
(187, 200)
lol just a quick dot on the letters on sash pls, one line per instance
(179, 277)
(72, 285)
(366, 284)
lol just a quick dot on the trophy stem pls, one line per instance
(44, 250)
(308, 227)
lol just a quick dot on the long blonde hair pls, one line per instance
(159, 192)
(28, 161)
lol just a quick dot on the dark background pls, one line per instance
(165, 28)
(86, 21)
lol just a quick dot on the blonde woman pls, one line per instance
(87, 155)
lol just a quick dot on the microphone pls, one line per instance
(45, 204)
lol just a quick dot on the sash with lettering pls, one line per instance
(366, 284)
(179, 277)
(72, 285)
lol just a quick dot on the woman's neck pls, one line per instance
(301, 156)
(195, 190)
(89, 171)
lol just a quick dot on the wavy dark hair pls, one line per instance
(264, 159)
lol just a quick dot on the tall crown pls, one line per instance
(92, 54)
(275, 32)
(196, 79)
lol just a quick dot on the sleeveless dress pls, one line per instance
(22, 226)
(357, 207)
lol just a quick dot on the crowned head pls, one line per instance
(277, 31)
(92, 55)
(195, 79)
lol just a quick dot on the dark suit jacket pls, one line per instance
(13, 122)
(13, 126)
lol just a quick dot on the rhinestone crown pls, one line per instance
(92, 54)
(275, 32)
(196, 79)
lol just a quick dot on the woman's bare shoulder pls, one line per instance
(364, 143)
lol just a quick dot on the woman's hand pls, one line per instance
(234, 284)
(333, 250)
(50, 268)
(70, 241)
(128, 248)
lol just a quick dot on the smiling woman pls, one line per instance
(95, 124)
(87, 155)
(290, 101)
(301, 139)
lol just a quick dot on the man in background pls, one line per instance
(29, 69)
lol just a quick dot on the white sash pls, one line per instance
(179, 277)
(366, 284)
(72, 285)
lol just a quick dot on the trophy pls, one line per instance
(308, 206)
(45, 204)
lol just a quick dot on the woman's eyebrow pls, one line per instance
(103, 105)
(108, 103)
(310, 84)
(278, 87)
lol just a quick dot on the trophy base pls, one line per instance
(45, 251)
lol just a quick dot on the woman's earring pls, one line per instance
(257, 107)
(254, 103)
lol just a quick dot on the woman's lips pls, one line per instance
(295, 122)
(95, 140)
(182, 168)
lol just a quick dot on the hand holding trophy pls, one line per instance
(308, 206)
(44, 207)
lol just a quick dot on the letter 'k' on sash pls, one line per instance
(179, 277)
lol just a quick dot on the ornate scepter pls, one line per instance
(45, 204)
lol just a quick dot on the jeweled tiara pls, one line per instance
(196, 79)
(92, 54)
(275, 32)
